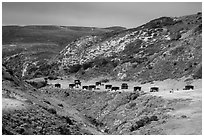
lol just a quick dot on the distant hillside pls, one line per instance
(56, 34)
(115, 28)
(29, 46)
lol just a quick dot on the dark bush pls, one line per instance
(183, 116)
(66, 94)
(104, 80)
(52, 77)
(153, 118)
(39, 84)
(74, 68)
(47, 102)
(199, 13)
(131, 105)
(7, 132)
(45, 79)
(133, 47)
(10, 71)
(60, 105)
(52, 111)
(101, 62)
(198, 29)
(7, 76)
(64, 130)
(33, 69)
(94, 121)
(175, 36)
(114, 63)
(178, 50)
(133, 96)
(38, 74)
(87, 65)
(140, 60)
(20, 131)
(142, 122)
(198, 74)
(68, 120)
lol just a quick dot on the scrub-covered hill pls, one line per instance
(27, 48)
(167, 47)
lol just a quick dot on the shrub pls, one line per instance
(52, 111)
(177, 50)
(87, 65)
(47, 102)
(199, 13)
(140, 123)
(198, 29)
(101, 62)
(153, 118)
(10, 71)
(94, 121)
(52, 77)
(64, 130)
(104, 80)
(131, 105)
(140, 60)
(68, 120)
(74, 68)
(198, 74)
(183, 116)
(38, 74)
(175, 36)
(133, 47)
(133, 96)
(60, 105)
(39, 84)
(7, 76)
(114, 63)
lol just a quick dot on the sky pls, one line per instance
(93, 14)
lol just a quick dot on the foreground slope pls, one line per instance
(25, 111)
(58, 111)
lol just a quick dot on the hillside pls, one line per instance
(32, 46)
(167, 47)
(59, 35)
(26, 111)
(57, 111)
(165, 53)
